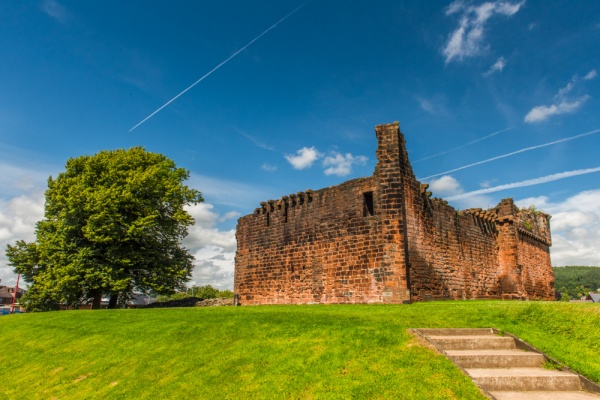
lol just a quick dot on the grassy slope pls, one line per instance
(346, 351)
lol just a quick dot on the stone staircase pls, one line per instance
(504, 367)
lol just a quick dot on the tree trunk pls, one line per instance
(97, 299)
(112, 303)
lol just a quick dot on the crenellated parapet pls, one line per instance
(534, 224)
(486, 215)
(291, 201)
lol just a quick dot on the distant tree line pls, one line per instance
(574, 282)
(201, 292)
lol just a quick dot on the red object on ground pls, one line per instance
(12, 306)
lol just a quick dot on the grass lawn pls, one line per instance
(272, 352)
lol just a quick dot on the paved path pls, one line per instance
(507, 368)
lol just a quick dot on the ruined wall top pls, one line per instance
(393, 166)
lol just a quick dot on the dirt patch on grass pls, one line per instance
(80, 378)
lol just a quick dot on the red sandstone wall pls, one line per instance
(537, 277)
(453, 255)
(328, 251)
(533, 254)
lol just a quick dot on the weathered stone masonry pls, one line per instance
(383, 239)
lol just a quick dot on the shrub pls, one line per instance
(175, 296)
(225, 294)
(201, 292)
(205, 292)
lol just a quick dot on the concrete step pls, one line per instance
(545, 395)
(457, 331)
(524, 379)
(474, 342)
(505, 372)
(510, 358)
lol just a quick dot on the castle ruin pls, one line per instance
(384, 239)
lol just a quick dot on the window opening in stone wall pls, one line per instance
(368, 209)
(268, 219)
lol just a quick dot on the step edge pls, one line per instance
(548, 373)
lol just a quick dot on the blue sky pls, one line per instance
(469, 81)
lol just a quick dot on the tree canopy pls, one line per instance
(113, 223)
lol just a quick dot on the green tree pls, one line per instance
(564, 294)
(205, 292)
(581, 291)
(113, 223)
(225, 294)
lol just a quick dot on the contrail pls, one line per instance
(219, 66)
(464, 145)
(254, 140)
(529, 182)
(513, 153)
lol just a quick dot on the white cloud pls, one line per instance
(467, 39)
(213, 248)
(572, 219)
(562, 104)
(230, 215)
(227, 192)
(562, 92)
(487, 183)
(268, 167)
(22, 184)
(16, 180)
(341, 165)
(213, 266)
(590, 75)
(575, 227)
(433, 105)
(18, 217)
(304, 158)
(204, 232)
(55, 10)
(203, 214)
(335, 163)
(426, 104)
(541, 113)
(497, 67)
(445, 186)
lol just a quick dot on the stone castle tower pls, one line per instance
(383, 239)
